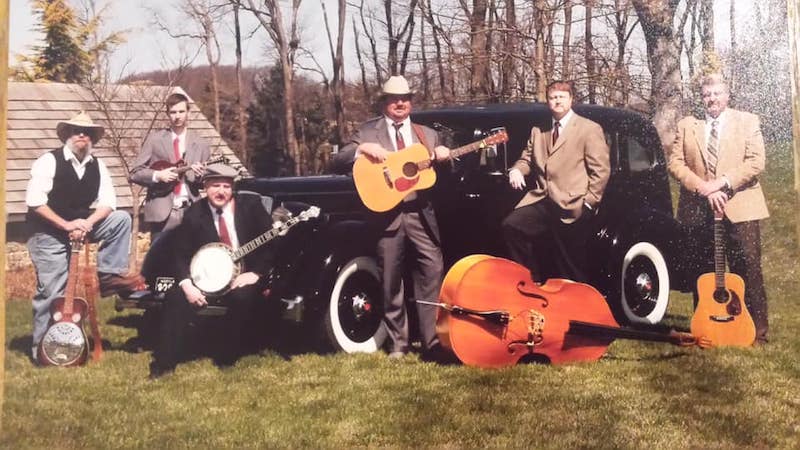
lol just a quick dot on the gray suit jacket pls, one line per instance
(376, 130)
(158, 147)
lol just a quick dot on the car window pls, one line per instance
(638, 157)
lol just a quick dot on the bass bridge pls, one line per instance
(535, 333)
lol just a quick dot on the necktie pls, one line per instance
(713, 147)
(556, 124)
(401, 143)
(176, 148)
(224, 236)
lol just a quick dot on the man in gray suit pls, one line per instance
(407, 229)
(168, 193)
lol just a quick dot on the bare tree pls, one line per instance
(478, 36)
(663, 58)
(589, 51)
(566, 70)
(270, 16)
(240, 107)
(336, 85)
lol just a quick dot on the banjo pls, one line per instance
(214, 267)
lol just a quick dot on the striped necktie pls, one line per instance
(713, 147)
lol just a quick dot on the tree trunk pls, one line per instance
(477, 45)
(707, 24)
(663, 58)
(240, 113)
(540, 7)
(508, 75)
(591, 78)
(566, 70)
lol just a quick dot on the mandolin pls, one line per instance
(162, 189)
(491, 314)
(383, 185)
(721, 315)
(64, 342)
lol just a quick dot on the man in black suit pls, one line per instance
(407, 230)
(230, 218)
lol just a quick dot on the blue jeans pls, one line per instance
(50, 254)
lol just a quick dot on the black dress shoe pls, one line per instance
(157, 371)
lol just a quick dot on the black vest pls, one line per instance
(71, 197)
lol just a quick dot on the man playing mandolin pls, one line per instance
(408, 229)
(168, 192)
(222, 217)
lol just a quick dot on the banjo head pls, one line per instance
(213, 269)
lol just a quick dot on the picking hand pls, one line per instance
(374, 152)
(167, 175)
(193, 295)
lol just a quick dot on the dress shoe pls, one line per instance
(122, 285)
(157, 371)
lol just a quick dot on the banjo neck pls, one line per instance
(263, 238)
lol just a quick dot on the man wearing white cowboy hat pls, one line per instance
(411, 222)
(64, 185)
(233, 219)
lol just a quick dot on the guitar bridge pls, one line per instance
(388, 178)
(725, 318)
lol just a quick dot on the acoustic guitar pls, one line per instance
(64, 342)
(491, 314)
(162, 189)
(383, 185)
(721, 315)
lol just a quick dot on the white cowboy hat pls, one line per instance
(82, 120)
(396, 85)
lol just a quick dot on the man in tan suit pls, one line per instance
(717, 161)
(568, 165)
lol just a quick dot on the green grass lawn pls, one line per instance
(639, 395)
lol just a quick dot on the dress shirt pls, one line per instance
(405, 131)
(721, 119)
(227, 215)
(562, 123)
(44, 170)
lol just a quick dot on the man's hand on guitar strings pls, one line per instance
(167, 175)
(374, 152)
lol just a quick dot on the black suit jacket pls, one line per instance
(197, 229)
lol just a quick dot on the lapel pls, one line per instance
(570, 130)
(699, 131)
(167, 145)
(207, 222)
(384, 137)
(240, 223)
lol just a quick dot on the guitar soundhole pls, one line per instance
(721, 295)
(410, 170)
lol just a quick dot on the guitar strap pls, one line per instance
(91, 289)
(421, 136)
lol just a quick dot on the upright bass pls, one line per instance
(492, 315)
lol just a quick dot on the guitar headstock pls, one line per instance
(499, 137)
(310, 213)
(76, 244)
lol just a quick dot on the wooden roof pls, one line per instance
(128, 113)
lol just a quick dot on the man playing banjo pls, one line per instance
(222, 217)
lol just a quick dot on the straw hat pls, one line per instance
(219, 170)
(82, 120)
(396, 85)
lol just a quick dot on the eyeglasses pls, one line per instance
(82, 131)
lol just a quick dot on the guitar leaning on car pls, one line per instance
(721, 315)
(162, 189)
(383, 185)
(214, 266)
(64, 343)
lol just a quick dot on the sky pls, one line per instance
(145, 49)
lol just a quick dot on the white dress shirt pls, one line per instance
(227, 215)
(43, 171)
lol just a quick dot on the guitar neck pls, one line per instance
(719, 252)
(456, 152)
(69, 291)
(594, 330)
(263, 238)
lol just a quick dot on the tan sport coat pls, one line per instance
(573, 171)
(741, 160)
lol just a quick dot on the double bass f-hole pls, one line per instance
(528, 294)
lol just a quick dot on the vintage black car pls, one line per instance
(327, 277)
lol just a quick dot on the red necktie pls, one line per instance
(224, 236)
(176, 148)
(401, 143)
(555, 131)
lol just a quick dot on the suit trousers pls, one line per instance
(534, 232)
(426, 275)
(743, 253)
(177, 318)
